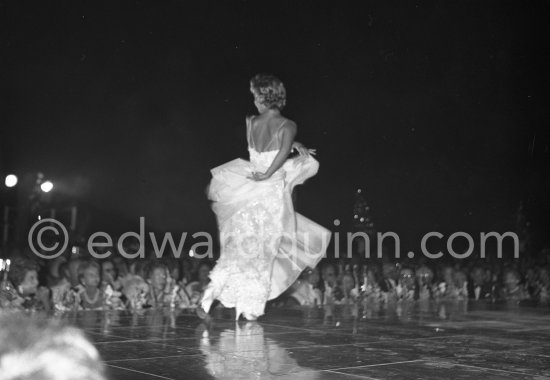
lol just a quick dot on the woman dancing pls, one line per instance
(265, 245)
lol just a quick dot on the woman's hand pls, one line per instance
(302, 150)
(259, 176)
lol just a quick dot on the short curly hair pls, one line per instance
(268, 90)
(152, 266)
(85, 265)
(19, 268)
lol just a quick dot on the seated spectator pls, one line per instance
(479, 287)
(444, 287)
(138, 267)
(109, 275)
(22, 291)
(63, 296)
(74, 263)
(54, 275)
(134, 290)
(460, 285)
(121, 266)
(371, 290)
(90, 294)
(543, 286)
(531, 282)
(513, 290)
(406, 287)
(174, 270)
(424, 279)
(349, 290)
(111, 286)
(306, 289)
(389, 278)
(196, 288)
(157, 275)
(328, 282)
(186, 271)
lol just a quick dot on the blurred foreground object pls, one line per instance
(35, 348)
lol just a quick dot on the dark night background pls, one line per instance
(436, 108)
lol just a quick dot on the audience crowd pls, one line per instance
(77, 281)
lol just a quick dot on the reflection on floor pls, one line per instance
(416, 341)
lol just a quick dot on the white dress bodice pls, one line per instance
(261, 161)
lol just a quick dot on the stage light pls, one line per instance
(191, 253)
(336, 222)
(11, 180)
(46, 186)
(5, 265)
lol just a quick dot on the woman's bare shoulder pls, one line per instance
(281, 120)
(288, 124)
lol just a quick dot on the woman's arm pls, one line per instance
(248, 129)
(288, 132)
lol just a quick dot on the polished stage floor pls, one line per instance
(404, 341)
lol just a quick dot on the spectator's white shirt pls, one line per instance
(306, 294)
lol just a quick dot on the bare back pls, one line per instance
(264, 132)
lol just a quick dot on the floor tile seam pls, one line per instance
(299, 348)
(351, 374)
(522, 350)
(98, 330)
(149, 358)
(156, 339)
(327, 332)
(143, 373)
(490, 369)
(375, 365)
(163, 357)
(153, 344)
(122, 340)
(117, 336)
(170, 345)
(126, 338)
(378, 342)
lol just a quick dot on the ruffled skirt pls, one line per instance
(265, 245)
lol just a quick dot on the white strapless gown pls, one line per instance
(265, 245)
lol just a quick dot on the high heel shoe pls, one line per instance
(204, 306)
(247, 316)
(201, 312)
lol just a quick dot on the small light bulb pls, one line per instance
(46, 186)
(11, 180)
